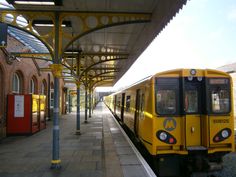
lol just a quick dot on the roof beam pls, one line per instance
(30, 55)
(103, 20)
(103, 61)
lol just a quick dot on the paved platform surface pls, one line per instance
(100, 151)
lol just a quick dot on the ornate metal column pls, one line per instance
(56, 162)
(78, 97)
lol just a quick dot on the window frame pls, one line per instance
(127, 103)
(196, 111)
(51, 98)
(166, 84)
(16, 83)
(200, 87)
(210, 88)
(32, 86)
(44, 87)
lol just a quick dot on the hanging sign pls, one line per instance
(3, 34)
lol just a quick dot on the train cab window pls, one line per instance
(167, 96)
(166, 103)
(220, 101)
(191, 101)
(219, 96)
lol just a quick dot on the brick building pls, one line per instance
(22, 75)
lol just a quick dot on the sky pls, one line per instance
(201, 35)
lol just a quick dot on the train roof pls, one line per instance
(185, 72)
(178, 72)
(136, 83)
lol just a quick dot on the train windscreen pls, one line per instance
(167, 96)
(219, 96)
(195, 97)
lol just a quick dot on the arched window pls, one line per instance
(51, 95)
(44, 87)
(16, 83)
(52, 85)
(33, 85)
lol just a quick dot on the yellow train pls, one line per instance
(183, 117)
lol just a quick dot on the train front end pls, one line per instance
(193, 125)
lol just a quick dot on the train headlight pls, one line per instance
(163, 136)
(190, 78)
(225, 133)
(166, 137)
(199, 79)
(222, 135)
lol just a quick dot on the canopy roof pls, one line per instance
(106, 35)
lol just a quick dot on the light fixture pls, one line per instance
(36, 2)
(193, 72)
(71, 52)
(49, 23)
(70, 58)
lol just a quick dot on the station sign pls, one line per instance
(3, 34)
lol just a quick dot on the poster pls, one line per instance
(19, 106)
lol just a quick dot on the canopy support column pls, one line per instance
(90, 102)
(70, 102)
(86, 98)
(56, 162)
(78, 97)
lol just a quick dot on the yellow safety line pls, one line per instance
(56, 161)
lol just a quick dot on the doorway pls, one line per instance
(193, 104)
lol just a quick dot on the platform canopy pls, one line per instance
(101, 37)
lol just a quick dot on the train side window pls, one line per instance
(118, 103)
(128, 99)
(166, 101)
(142, 103)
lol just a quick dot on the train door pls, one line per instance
(122, 107)
(137, 111)
(193, 103)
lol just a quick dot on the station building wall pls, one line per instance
(27, 73)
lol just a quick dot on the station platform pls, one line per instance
(102, 150)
